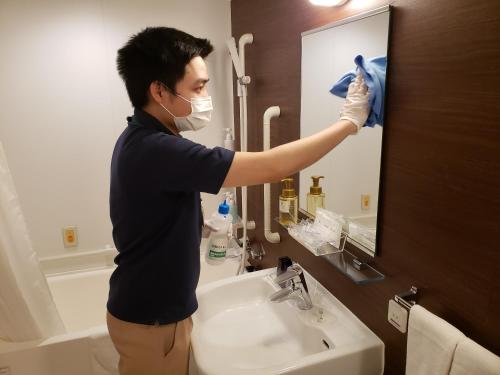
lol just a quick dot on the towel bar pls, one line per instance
(407, 299)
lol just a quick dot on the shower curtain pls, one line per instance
(27, 310)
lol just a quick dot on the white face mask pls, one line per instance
(201, 113)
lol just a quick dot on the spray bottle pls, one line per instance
(218, 241)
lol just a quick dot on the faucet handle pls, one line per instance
(283, 264)
(292, 271)
(296, 289)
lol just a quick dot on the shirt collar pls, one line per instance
(146, 120)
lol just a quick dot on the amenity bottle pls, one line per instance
(315, 197)
(288, 203)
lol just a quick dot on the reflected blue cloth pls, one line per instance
(373, 71)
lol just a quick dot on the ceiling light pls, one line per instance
(328, 3)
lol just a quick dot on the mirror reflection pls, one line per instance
(346, 181)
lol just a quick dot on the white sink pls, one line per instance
(238, 330)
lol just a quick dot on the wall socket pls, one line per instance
(397, 315)
(365, 202)
(5, 371)
(70, 236)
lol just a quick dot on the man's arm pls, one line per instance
(252, 168)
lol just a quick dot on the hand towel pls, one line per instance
(471, 359)
(431, 343)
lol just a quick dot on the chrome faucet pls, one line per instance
(295, 289)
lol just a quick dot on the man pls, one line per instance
(156, 180)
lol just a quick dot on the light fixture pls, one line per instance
(328, 3)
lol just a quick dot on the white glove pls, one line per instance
(355, 108)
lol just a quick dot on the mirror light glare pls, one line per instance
(328, 3)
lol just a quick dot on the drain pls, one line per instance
(326, 344)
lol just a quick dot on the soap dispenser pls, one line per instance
(288, 203)
(315, 197)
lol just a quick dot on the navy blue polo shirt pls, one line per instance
(155, 208)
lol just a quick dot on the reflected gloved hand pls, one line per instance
(356, 108)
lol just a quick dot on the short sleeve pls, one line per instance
(173, 163)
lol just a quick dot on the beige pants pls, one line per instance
(151, 349)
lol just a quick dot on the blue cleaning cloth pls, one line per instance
(373, 71)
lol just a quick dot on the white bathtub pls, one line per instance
(80, 297)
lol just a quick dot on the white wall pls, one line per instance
(63, 104)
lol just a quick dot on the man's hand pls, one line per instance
(355, 108)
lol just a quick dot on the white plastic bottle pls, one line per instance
(229, 139)
(233, 208)
(219, 239)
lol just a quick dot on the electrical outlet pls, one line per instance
(70, 236)
(397, 315)
(5, 370)
(365, 202)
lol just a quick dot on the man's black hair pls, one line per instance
(157, 54)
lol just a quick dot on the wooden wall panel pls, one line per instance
(440, 208)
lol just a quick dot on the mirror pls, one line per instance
(352, 170)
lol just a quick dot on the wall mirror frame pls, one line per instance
(352, 171)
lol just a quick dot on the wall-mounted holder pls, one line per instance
(325, 249)
(351, 266)
(407, 299)
(346, 262)
(399, 309)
